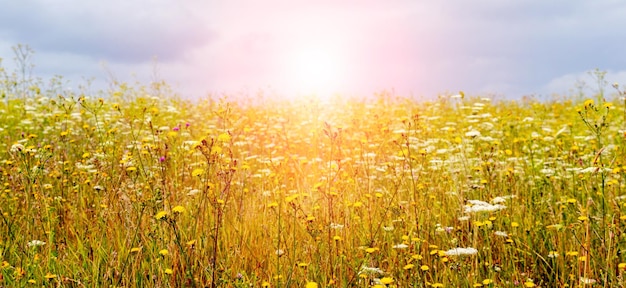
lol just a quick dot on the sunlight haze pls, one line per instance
(419, 48)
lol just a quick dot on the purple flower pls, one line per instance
(162, 159)
(176, 128)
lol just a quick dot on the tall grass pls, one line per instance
(140, 189)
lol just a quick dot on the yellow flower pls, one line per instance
(191, 242)
(19, 272)
(371, 250)
(224, 137)
(487, 281)
(50, 275)
(408, 266)
(163, 252)
(386, 280)
(216, 150)
(179, 209)
(131, 169)
(621, 266)
(337, 238)
(529, 284)
(424, 268)
(311, 285)
(197, 172)
(437, 285)
(135, 250)
(168, 271)
(290, 198)
(161, 215)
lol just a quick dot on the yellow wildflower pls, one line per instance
(197, 172)
(224, 137)
(179, 209)
(50, 275)
(371, 250)
(161, 215)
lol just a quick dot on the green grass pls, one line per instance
(132, 190)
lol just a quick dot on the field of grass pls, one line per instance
(138, 189)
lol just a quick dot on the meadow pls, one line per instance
(135, 187)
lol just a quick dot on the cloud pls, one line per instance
(585, 83)
(116, 30)
(415, 47)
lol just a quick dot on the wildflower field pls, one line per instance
(140, 189)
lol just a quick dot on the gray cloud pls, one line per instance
(124, 31)
(425, 47)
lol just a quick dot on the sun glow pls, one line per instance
(316, 71)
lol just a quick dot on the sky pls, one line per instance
(291, 48)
